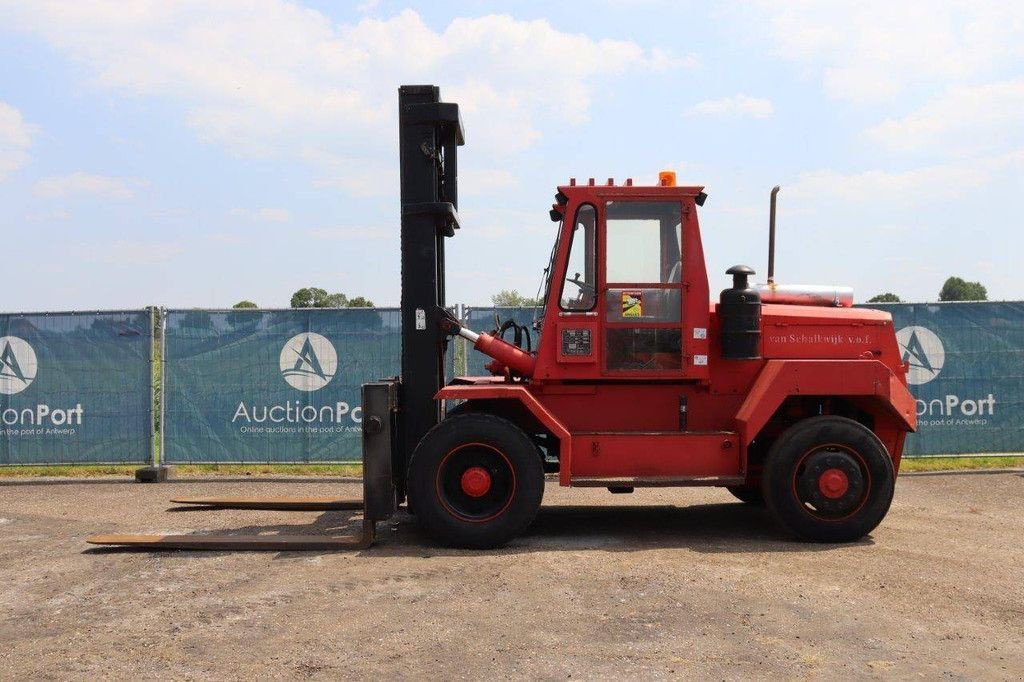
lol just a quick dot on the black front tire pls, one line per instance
(487, 447)
(828, 479)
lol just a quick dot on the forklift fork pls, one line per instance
(380, 403)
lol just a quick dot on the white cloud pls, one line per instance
(963, 117)
(349, 233)
(872, 50)
(902, 187)
(59, 186)
(51, 216)
(125, 252)
(15, 139)
(910, 186)
(274, 215)
(267, 215)
(170, 213)
(270, 78)
(359, 177)
(736, 105)
(482, 181)
(226, 238)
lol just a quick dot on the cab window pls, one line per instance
(579, 289)
(643, 295)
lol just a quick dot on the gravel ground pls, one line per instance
(658, 584)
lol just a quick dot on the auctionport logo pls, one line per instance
(308, 361)
(17, 365)
(922, 350)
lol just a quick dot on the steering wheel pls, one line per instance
(584, 286)
(587, 292)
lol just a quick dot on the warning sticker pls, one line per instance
(632, 303)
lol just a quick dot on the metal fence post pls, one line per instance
(154, 318)
(157, 470)
(163, 382)
(463, 357)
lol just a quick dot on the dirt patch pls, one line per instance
(658, 584)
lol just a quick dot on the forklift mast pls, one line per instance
(430, 132)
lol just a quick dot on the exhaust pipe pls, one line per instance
(771, 237)
(797, 294)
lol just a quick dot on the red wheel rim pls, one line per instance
(833, 483)
(476, 481)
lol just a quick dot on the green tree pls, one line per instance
(887, 297)
(314, 297)
(512, 298)
(335, 301)
(956, 289)
(310, 297)
(245, 304)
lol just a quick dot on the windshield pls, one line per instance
(545, 282)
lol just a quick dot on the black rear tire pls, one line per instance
(751, 494)
(477, 481)
(828, 479)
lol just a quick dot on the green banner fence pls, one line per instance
(272, 385)
(967, 373)
(247, 386)
(76, 387)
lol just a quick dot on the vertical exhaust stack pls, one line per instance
(797, 294)
(771, 236)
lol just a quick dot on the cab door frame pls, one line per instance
(693, 299)
(558, 360)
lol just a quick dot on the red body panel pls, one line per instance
(685, 456)
(618, 425)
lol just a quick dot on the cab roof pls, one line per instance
(610, 188)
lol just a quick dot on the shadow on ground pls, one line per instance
(708, 528)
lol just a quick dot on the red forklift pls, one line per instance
(784, 395)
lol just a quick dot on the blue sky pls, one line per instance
(195, 154)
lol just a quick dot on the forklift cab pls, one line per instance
(627, 293)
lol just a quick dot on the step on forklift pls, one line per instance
(783, 394)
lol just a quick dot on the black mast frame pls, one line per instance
(430, 132)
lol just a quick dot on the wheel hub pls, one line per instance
(831, 482)
(476, 481)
